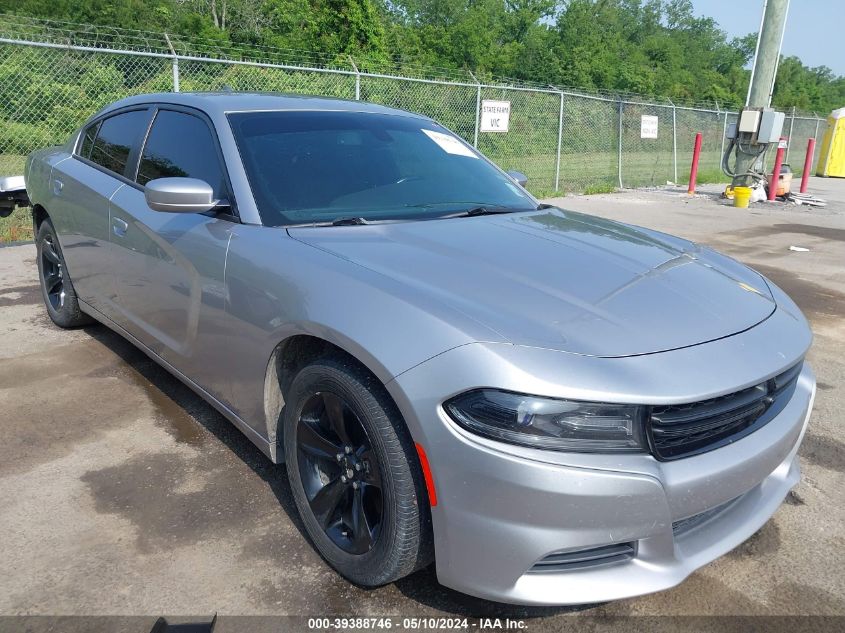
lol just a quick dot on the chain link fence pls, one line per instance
(564, 141)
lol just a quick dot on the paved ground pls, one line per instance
(123, 493)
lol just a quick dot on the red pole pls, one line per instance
(693, 170)
(808, 164)
(773, 181)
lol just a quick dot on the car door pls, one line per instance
(81, 188)
(168, 267)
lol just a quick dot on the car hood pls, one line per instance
(562, 280)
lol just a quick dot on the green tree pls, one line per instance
(651, 47)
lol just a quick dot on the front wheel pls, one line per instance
(354, 474)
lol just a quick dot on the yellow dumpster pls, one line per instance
(832, 151)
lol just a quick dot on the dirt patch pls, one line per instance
(824, 451)
(20, 295)
(176, 500)
(762, 543)
(812, 230)
(48, 404)
(176, 406)
(67, 394)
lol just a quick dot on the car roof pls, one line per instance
(223, 102)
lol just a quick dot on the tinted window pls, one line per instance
(181, 145)
(117, 136)
(88, 137)
(319, 166)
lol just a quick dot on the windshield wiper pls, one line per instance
(475, 211)
(349, 221)
(342, 221)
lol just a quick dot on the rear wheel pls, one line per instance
(354, 474)
(56, 286)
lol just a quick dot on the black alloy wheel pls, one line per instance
(354, 472)
(52, 273)
(339, 473)
(56, 286)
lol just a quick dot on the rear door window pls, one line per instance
(88, 137)
(182, 145)
(117, 136)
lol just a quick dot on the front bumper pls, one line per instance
(501, 508)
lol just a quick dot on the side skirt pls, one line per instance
(266, 447)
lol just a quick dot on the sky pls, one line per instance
(813, 27)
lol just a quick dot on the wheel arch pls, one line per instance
(287, 358)
(39, 214)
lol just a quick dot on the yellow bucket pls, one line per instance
(742, 196)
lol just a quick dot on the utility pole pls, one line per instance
(762, 83)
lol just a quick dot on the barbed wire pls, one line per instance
(19, 27)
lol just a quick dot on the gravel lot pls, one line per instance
(121, 492)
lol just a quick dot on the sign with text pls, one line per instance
(495, 115)
(648, 126)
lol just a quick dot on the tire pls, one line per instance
(56, 286)
(381, 445)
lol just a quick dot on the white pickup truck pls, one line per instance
(12, 194)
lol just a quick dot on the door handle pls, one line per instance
(58, 185)
(119, 227)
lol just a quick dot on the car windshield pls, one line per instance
(319, 166)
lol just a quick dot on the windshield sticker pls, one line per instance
(449, 144)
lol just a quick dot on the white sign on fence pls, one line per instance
(648, 126)
(495, 115)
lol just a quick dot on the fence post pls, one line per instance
(175, 63)
(175, 74)
(559, 139)
(619, 156)
(724, 133)
(477, 108)
(791, 124)
(357, 78)
(674, 144)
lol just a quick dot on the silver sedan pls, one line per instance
(553, 408)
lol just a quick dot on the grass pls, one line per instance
(17, 227)
(545, 192)
(597, 172)
(602, 188)
(708, 176)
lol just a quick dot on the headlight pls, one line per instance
(549, 423)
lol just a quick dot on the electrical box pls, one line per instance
(730, 132)
(749, 121)
(771, 126)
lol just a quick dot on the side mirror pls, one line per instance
(518, 177)
(180, 195)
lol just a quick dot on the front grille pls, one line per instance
(683, 430)
(579, 559)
